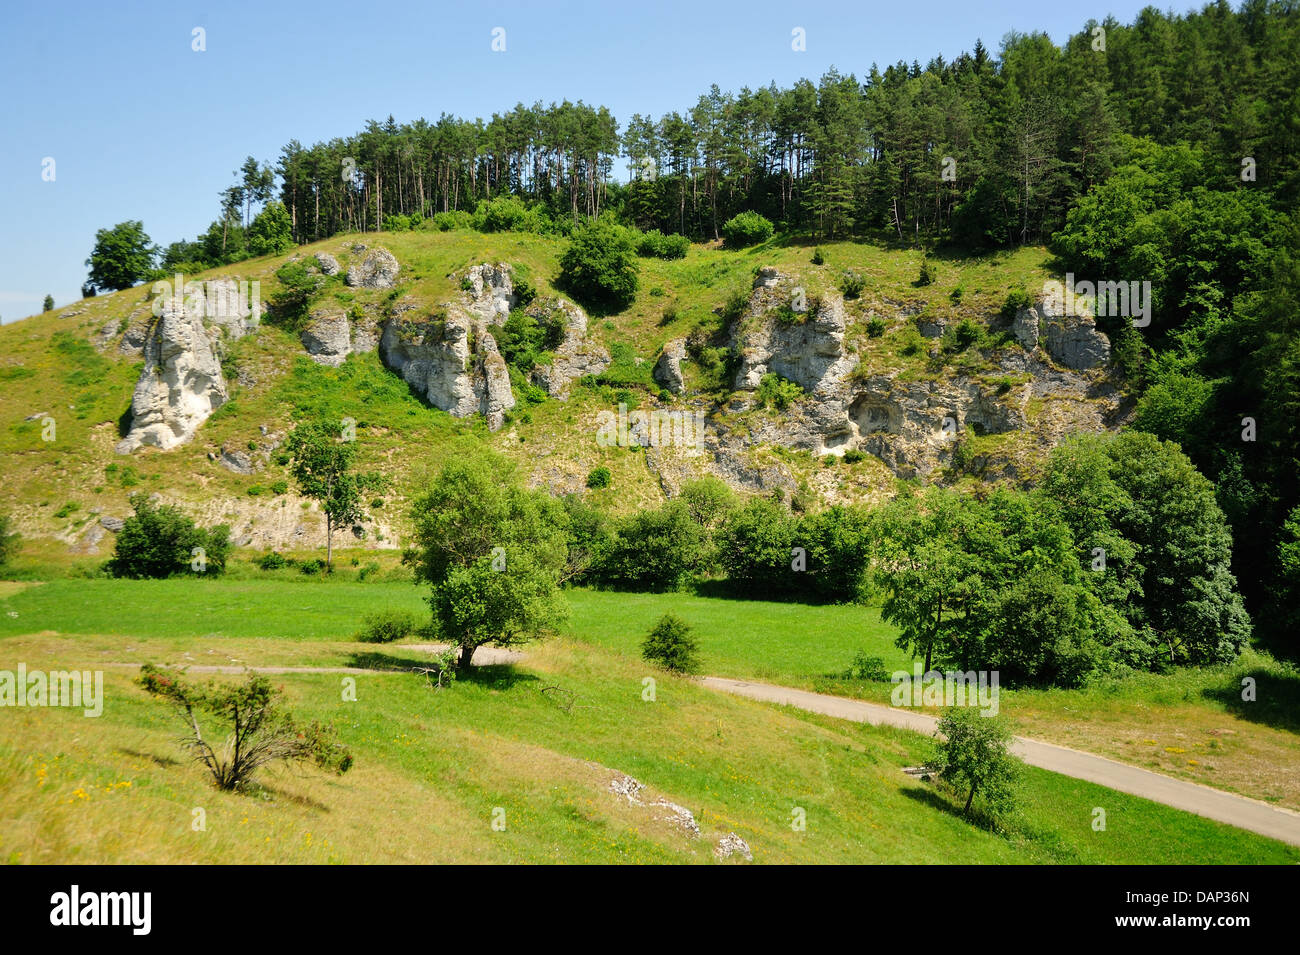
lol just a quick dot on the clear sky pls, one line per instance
(141, 126)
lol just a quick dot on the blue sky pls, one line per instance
(140, 126)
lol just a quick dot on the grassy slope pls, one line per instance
(740, 766)
(433, 765)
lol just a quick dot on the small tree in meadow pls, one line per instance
(973, 757)
(258, 730)
(322, 466)
(671, 646)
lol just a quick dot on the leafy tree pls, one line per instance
(291, 301)
(652, 549)
(260, 731)
(160, 541)
(973, 756)
(492, 553)
(669, 644)
(599, 267)
(746, 229)
(322, 466)
(271, 232)
(123, 256)
(48, 304)
(756, 549)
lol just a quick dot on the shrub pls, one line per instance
(159, 541)
(928, 273)
(955, 296)
(670, 645)
(875, 327)
(291, 301)
(259, 731)
(747, 228)
(1016, 300)
(386, 625)
(651, 549)
(599, 267)
(864, 667)
(973, 757)
(272, 561)
(313, 566)
(368, 571)
(280, 487)
(654, 244)
(965, 334)
(818, 257)
(777, 392)
(852, 284)
(853, 456)
(599, 477)
(446, 221)
(255, 490)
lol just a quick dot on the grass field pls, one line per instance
(540, 740)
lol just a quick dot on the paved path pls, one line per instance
(1239, 811)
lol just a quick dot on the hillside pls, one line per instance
(879, 373)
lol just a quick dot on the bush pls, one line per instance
(272, 561)
(654, 244)
(818, 257)
(313, 566)
(973, 757)
(652, 549)
(852, 284)
(864, 667)
(853, 456)
(747, 228)
(875, 327)
(928, 273)
(599, 477)
(509, 214)
(599, 267)
(777, 392)
(670, 645)
(386, 625)
(280, 487)
(258, 732)
(368, 571)
(1017, 300)
(159, 541)
(447, 221)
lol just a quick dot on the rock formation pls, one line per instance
(181, 383)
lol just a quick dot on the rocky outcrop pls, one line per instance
(773, 335)
(1072, 339)
(181, 383)
(1025, 328)
(452, 359)
(574, 356)
(328, 336)
(378, 269)
(327, 263)
(668, 369)
(137, 332)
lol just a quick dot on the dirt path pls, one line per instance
(1239, 811)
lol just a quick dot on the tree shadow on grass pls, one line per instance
(166, 762)
(932, 798)
(495, 675)
(1276, 703)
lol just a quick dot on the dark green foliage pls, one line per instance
(852, 285)
(654, 549)
(123, 256)
(249, 717)
(818, 256)
(670, 645)
(654, 244)
(599, 267)
(159, 541)
(747, 228)
(972, 757)
(875, 327)
(1017, 299)
(272, 560)
(271, 232)
(928, 273)
(385, 626)
(868, 668)
(599, 477)
(522, 339)
(48, 304)
(777, 392)
(291, 301)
